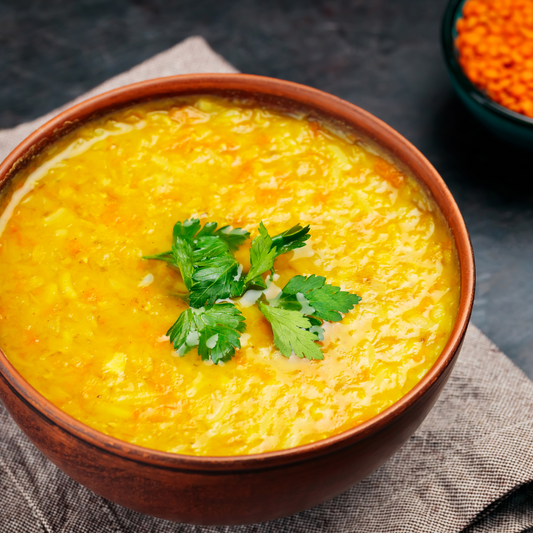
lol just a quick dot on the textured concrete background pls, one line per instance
(382, 55)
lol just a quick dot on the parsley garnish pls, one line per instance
(314, 297)
(215, 330)
(292, 332)
(265, 249)
(203, 256)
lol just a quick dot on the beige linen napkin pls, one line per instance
(466, 468)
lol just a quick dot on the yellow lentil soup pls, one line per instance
(83, 316)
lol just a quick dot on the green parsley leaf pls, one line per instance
(181, 255)
(165, 256)
(191, 230)
(186, 230)
(207, 248)
(183, 259)
(265, 249)
(180, 258)
(202, 255)
(291, 239)
(232, 237)
(262, 255)
(217, 273)
(312, 296)
(292, 332)
(216, 277)
(215, 330)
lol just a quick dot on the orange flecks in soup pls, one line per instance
(84, 322)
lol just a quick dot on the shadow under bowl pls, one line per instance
(253, 488)
(512, 127)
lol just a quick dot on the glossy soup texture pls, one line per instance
(84, 323)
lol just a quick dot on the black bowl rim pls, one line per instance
(449, 50)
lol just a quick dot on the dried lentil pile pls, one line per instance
(495, 43)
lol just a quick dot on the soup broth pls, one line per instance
(83, 316)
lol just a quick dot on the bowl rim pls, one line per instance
(329, 106)
(450, 57)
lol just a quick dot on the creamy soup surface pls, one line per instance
(83, 322)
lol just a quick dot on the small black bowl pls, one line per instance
(510, 126)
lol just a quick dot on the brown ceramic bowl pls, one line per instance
(252, 488)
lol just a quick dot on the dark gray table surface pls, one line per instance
(383, 55)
